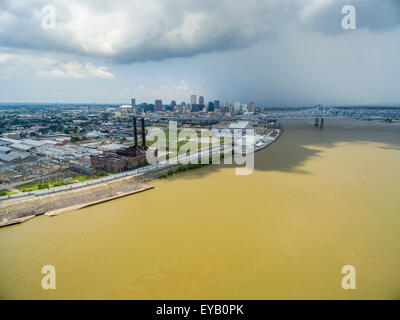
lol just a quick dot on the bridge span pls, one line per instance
(325, 112)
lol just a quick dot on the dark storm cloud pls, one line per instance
(131, 31)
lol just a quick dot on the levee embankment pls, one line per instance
(14, 211)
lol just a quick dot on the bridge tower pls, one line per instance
(321, 123)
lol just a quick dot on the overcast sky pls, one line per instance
(272, 52)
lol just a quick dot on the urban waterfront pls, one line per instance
(317, 200)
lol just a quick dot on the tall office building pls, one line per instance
(173, 104)
(216, 104)
(181, 107)
(224, 106)
(196, 108)
(150, 107)
(133, 103)
(201, 100)
(192, 100)
(251, 107)
(158, 106)
(186, 108)
(211, 106)
(236, 107)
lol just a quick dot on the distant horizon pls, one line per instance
(394, 105)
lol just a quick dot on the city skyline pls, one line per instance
(192, 106)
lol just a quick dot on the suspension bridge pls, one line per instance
(321, 113)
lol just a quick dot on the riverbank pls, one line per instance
(18, 210)
(15, 211)
(92, 203)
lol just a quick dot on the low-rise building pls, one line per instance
(14, 157)
(4, 150)
(21, 147)
(8, 141)
(115, 163)
(110, 147)
(38, 143)
(239, 125)
(81, 165)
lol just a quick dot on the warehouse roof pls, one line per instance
(14, 155)
(239, 125)
(4, 149)
(38, 143)
(21, 146)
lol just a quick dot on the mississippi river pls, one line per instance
(318, 200)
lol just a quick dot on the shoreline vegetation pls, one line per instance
(186, 167)
(33, 186)
(182, 168)
(42, 185)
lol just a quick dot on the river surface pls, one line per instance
(318, 200)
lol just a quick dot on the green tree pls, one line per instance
(43, 185)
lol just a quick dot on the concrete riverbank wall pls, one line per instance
(13, 209)
(18, 210)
